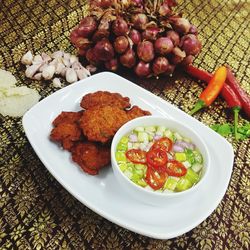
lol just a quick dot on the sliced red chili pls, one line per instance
(155, 179)
(157, 157)
(137, 156)
(164, 144)
(175, 168)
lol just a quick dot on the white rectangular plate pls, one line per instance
(102, 193)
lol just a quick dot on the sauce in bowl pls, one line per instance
(159, 159)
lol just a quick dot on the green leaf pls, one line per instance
(225, 129)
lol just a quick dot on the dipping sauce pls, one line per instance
(159, 159)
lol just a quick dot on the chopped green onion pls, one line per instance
(142, 137)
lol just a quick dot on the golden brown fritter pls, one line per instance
(104, 98)
(90, 156)
(68, 117)
(66, 134)
(101, 123)
(135, 112)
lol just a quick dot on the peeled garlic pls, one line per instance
(46, 57)
(37, 59)
(57, 83)
(37, 76)
(27, 58)
(57, 54)
(71, 75)
(48, 72)
(81, 74)
(59, 67)
(32, 69)
(73, 59)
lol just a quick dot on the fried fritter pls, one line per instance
(68, 117)
(90, 156)
(101, 123)
(66, 134)
(135, 112)
(104, 98)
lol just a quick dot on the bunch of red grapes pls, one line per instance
(146, 37)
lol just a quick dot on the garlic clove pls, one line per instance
(63, 71)
(91, 68)
(73, 59)
(46, 57)
(86, 71)
(27, 58)
(66, 62)
(57, 83)
(37, 59)
(57, 54)
(81, 74)
(66, 56)
(48, 72)
(37, 76)
(71, 75)
(76, 65)
(59, 67)
(31, 70)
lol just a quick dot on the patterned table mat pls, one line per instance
(36, 212)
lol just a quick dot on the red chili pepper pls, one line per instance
(243, 96)
(157, 157)
(234, 103)
(227, 92)
(213, 89)
(154, 178)
(136, 156)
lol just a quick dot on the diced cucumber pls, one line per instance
(150, 129)
(122, 147)
(136, 145)
(128, 174)
(130, 145)
(170, 184)
(186, 139)
(192, 176)
(177, 136)
(180, 156)
(135, 177)
(124, 140)
(150, 137)
(197, 167)
(143, 146)
(140, 166)
(198, 157)
(123, 166)
(139, 129)
(190, 155)
(120, 156)
(169, 135)
(142, 137)
(183, 184)
(141, 183)
(161, 129)
(139, 172)
(187, 164)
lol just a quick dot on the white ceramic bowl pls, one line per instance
(145, 195)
